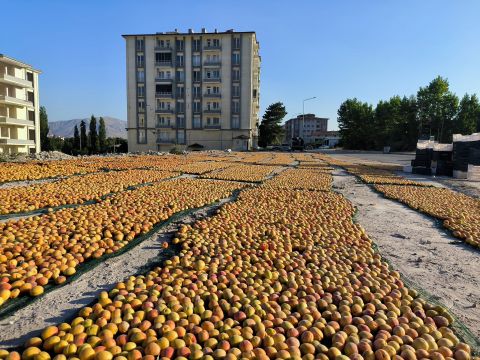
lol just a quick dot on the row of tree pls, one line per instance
(95, 142)
(400, 121)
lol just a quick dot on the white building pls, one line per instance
(19, 107)
(192, 89)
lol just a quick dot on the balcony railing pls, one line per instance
(179, 64)
(205, 79)
(9, 100)
(212, 95)
(197, 110)
(164, 94)
(163, 79)
(212, 47)
(197, 96)
(164, 111)
(13, 80)
(140, 64)
(163, 48)
(16, 122)
(180, 79)
(212, 111)
(212, 126)
(163, 126)
(212, 63)
(163, 63)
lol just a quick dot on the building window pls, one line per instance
(215, 121)
(179, 44)
(236, 90)
(141, 105)
(163, 58)
(236, 106)
(196, 75)
(180, 75)
(140, 44)
(180, 107)
(140, 60)
(235, 122)
(196, 60)
(180, 91)
(213, 59)
(196, 91)
(180, 122)
(236, 59)
(142, 139)
(141, 91)
(141, 76)
(141, 120)
(212, 74)
(181, 137)
(236, 43)
(197, 124)
(196, 106)
(163, 121)
(236, 74)
(196, 44)
(179, 60)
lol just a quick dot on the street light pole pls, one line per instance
(303, 114)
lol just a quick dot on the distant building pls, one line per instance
(198, 90)
(331, 138)
(310, 128)
(19, 107)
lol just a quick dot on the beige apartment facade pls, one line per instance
(19, 107)
(192, 90)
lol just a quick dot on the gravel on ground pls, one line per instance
(419, 249)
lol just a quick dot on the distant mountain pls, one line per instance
(115, 127)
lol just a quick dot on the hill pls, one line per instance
(115, 127)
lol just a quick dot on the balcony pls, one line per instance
(164, 111)
(212, 80)
(212, 47)
(180, 64)
(212, 111)
(163, 79)
(163, 126)
(212, 127)
(140, 64)
(15, 81)
(165, 95)
(163, 48)
(16, 142)
(8, 100)
(15, 122)
(163, 63)
(212, 63)
(212, 95)
(180, 79)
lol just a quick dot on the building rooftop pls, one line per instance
(12, 61)
(192, 32)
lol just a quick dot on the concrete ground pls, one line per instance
(400, 158)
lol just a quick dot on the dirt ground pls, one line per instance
(422, 252)
(64, 302)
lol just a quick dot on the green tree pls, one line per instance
(44, 140)
(270, 129)
(83, 137)
(468, 116)
(102, 135)
(437, 108)
(356, 125)
(76, 139)
(55, 143)
(93, 136)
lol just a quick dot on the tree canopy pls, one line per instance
(400, 121)
(270, 129)
(44, 141)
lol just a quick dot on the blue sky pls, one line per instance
(329, 49)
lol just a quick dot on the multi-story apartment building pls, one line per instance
(19, 107)
(192, 90)
(309, 127)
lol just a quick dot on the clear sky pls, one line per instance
(331, 49)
